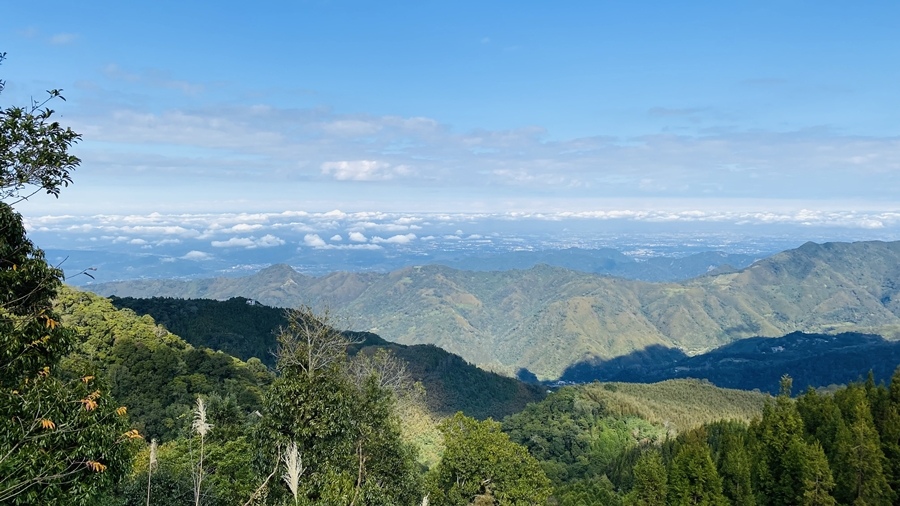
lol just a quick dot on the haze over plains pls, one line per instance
(219, 124)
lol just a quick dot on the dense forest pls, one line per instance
(248, 329)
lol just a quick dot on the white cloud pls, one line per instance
(247, 145)
(245, 227)
(357, 237)
(196, 255)
(337, 238)
(364, 170)
(269, 241)
(234, 242)
(395, 239)
(352, 247)
(266, 241)
(314, 241)
(351, 127)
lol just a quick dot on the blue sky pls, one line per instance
(715, 107)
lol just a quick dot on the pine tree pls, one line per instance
(693, 479)
(650, 481)
(818, 482)
(859, 460)
(734, 467)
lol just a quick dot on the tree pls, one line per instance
(818, 482)
(34, 150)
(650, 481)
(60, 440)
(788, 470)
(693, 478)
(734, 467)
(480, 464)
(344, 427)
(309, 343)
(859, 460)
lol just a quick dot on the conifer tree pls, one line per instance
(650, 481)
(734, 468)
(818, 482)
(859, 460)
(780, 471)
(693, 479)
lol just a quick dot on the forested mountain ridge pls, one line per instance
(247, 329)
(545, 319)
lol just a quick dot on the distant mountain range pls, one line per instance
(675, 265)
(608, 261)
(543, 320)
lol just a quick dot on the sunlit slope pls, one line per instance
(680, 404)
(545, 319)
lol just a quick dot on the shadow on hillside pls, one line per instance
(816, 360)
(526, 376)
(630, 365)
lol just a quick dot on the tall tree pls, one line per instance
(693, 479)
(650, 481)
(781, 472)
(344, 426)
(481, 465)
(860, 462)
(734, 467)
(60, 440)
(818, 482)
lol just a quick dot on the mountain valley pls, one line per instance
(545, 319)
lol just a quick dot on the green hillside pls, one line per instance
(247, 329)
(545, 319)
(582, 431)
(155, 373)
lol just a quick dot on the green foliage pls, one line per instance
(246, 329)
(585, 431)
(237, 326)
(859, 459)
(156, 374)
(61, 440)
(651, 483)
(480, 464)
(587, 492)
(30, 335)
(679, 405)
(34, 149)
(345, 427)
(818, 482)
(693, 478)
(229, 477)
(734, 464)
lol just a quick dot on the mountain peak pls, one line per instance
(278, 270)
